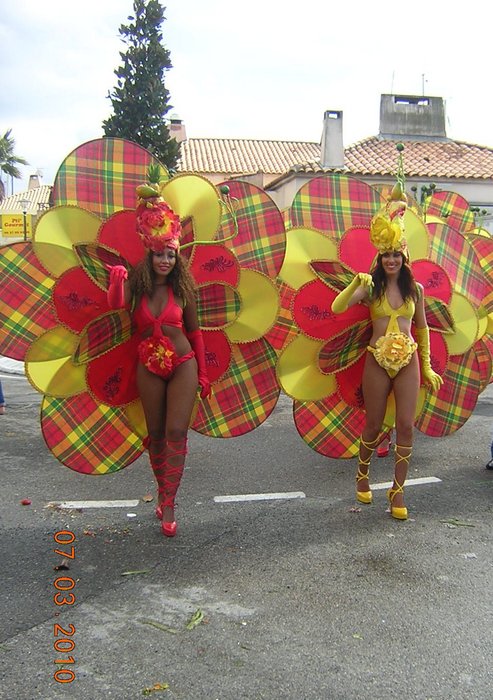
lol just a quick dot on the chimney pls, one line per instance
(33, 182)
(177, 128)
(412, 116)
(332, 149)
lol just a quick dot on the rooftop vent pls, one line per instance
(413, 117)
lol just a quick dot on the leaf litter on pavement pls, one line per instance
(195, 619)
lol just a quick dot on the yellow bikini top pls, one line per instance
(380, 308)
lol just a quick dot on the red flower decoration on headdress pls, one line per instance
(158, 226)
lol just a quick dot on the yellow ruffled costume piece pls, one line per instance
(393, 351)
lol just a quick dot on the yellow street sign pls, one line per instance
(13, 225)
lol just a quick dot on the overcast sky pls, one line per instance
(265, 69)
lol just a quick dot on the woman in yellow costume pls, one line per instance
(395, 301)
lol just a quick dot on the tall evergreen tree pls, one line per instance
(140, 98)
(8, 160)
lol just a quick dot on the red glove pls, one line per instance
(197, 342)
(116, 289)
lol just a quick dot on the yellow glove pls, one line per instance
(432, 379)
(340, 303)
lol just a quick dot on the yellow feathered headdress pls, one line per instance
(387, 226)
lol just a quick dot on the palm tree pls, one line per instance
(8, 160)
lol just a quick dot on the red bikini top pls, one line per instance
(171, 315)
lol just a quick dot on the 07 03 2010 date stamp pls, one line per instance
(64, 585)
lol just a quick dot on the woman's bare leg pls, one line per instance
(406, 389)
(152, 391)
(181, 396)
(376, 387)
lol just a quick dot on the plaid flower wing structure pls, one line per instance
(100, 176)
(483, 247)
(101, 442)
(455, 272)
(462, 249)
(321, 366)
(25, 300)
(450, 208)
(239, 306)
(54, 313)
(81, 355)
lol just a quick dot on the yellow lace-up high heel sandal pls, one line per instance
(364, 496)
(399, 512)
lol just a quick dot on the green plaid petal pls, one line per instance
(334, 273)
(94, 258)
(103, 334)
(438, 315)
(345, 349)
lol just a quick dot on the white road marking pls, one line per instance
(300, 494)
(408, 482)
(94, 504)
(235, 498)
(259, 497)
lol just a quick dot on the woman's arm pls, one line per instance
(356, 291)
(431, 378)
(419, 313)
(194, 335)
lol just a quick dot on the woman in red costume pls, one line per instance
(395, 301)
(161, 294)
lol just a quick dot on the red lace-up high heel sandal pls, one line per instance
(157, 457)
(176, 451)
(384, 447)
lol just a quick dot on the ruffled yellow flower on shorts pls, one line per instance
(393, 351)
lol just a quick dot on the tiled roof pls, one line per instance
(371, 156)
(244, 156)
(428, 159)
(38, 198)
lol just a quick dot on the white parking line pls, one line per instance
(235, 498)
(408, 482)
(94, 504)
(259, 497)
(300, 494)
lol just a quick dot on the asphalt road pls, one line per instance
(297, 598)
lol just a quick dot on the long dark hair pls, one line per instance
(406, 282)
(142, 279)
